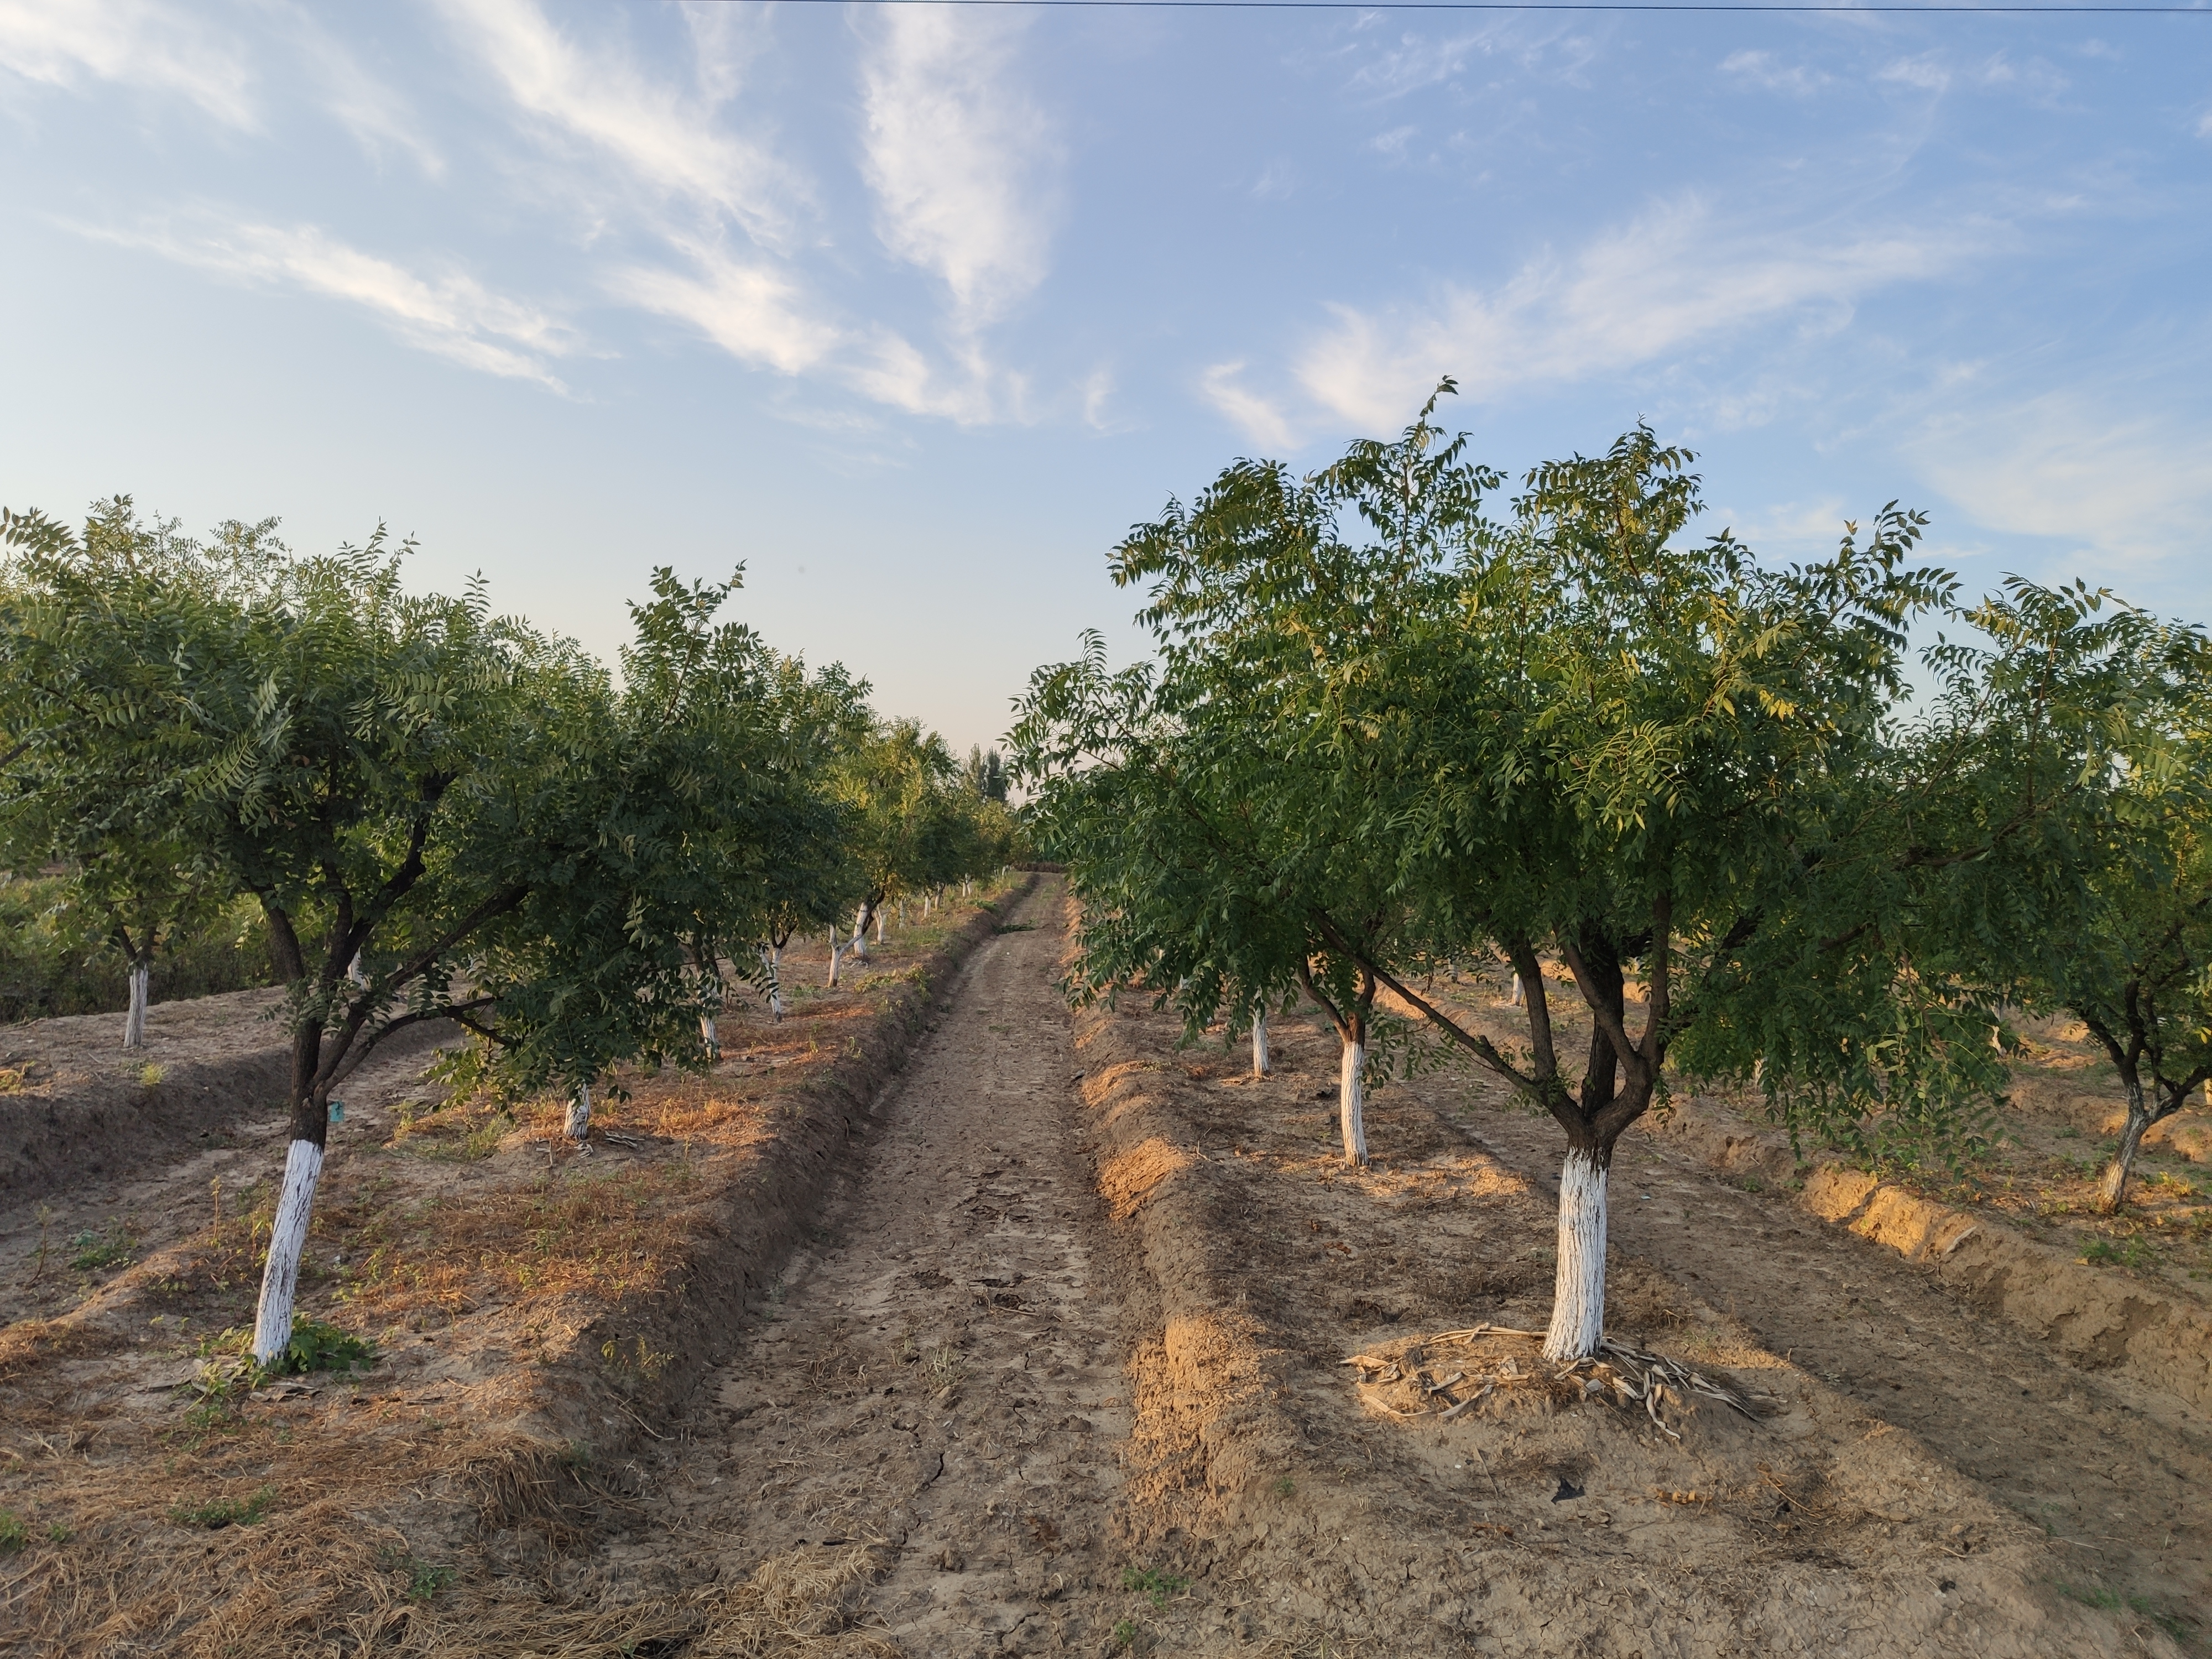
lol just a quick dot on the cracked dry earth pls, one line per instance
(940, 1375)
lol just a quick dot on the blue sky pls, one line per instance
(914, 309)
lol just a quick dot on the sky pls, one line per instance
(914, 310)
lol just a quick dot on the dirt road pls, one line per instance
(940, 1375)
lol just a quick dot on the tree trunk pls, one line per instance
(835, 955)
(859, 940)
(775, 955)
(707, 1035)
(287, 1238)
(1513, 1001)
(134, 1023)
(2112, 1190)
(1351, 1109)
(879, 928)
(1260, 1043)
(580, 1113)
(1579, 1285)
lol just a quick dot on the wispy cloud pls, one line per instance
(449, 313)
(1764, 70)
(137, 43)
(752, 310)
(958, 155)
(1675, 279)
(1255, 416)
(1925, 73)
(669, 142)
(2086, 466)
(380, 116)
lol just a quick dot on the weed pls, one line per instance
(646, 1366)
(946, 1366)
(1151, 1582)
(425, 1581)
(150, 1074)
(224, 1511)
(14, 1535)
(1752, 1184)
(14, 1079)
(1286, 1487)
(58, 1534)
(2111, 1601)
(97, 1250)
(1129, 1638)
(2135, 1252)
(316, 1347)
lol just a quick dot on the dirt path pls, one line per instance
(940, 1376)
(2118, 1472)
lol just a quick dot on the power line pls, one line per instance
(1552, 5)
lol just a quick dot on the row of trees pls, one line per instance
(444, 814)
(1388, 730)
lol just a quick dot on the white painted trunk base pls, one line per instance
(1351, 1107)
(580, 1113)
(707, 1034)
(1578, 1286)
(1260, 1043)
(836, 957)
(879, 928)
(775, 958)
(288, 1237)
(860, 939)
(134, 1023)
(1515, 999)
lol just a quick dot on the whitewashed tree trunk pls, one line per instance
(288, 1237)
(580, 1113)
(859, 942)
(1350, 1108)
(835, 955)
(1578, 1285)
(1260, 1043)
(708, 1034)
(879, 928)
(353, 970)
(134, 1023)
(1515, 1001)
(775, 955)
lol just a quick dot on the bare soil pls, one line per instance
(1039, 1347)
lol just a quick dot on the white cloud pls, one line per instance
(666, 140)
(1926, 73)
(138, 43)
(2132, 487)
(378, 116)
(1673, 279)
(1249, 413)
(752, 311)
(451, 314)
(890, 369)
(1763, 69)
(954, 154)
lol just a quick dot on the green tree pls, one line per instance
(1577, 735)
(2099, 715)
(109, 812)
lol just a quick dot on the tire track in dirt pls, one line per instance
(940, 1374)
(2118, 1473)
